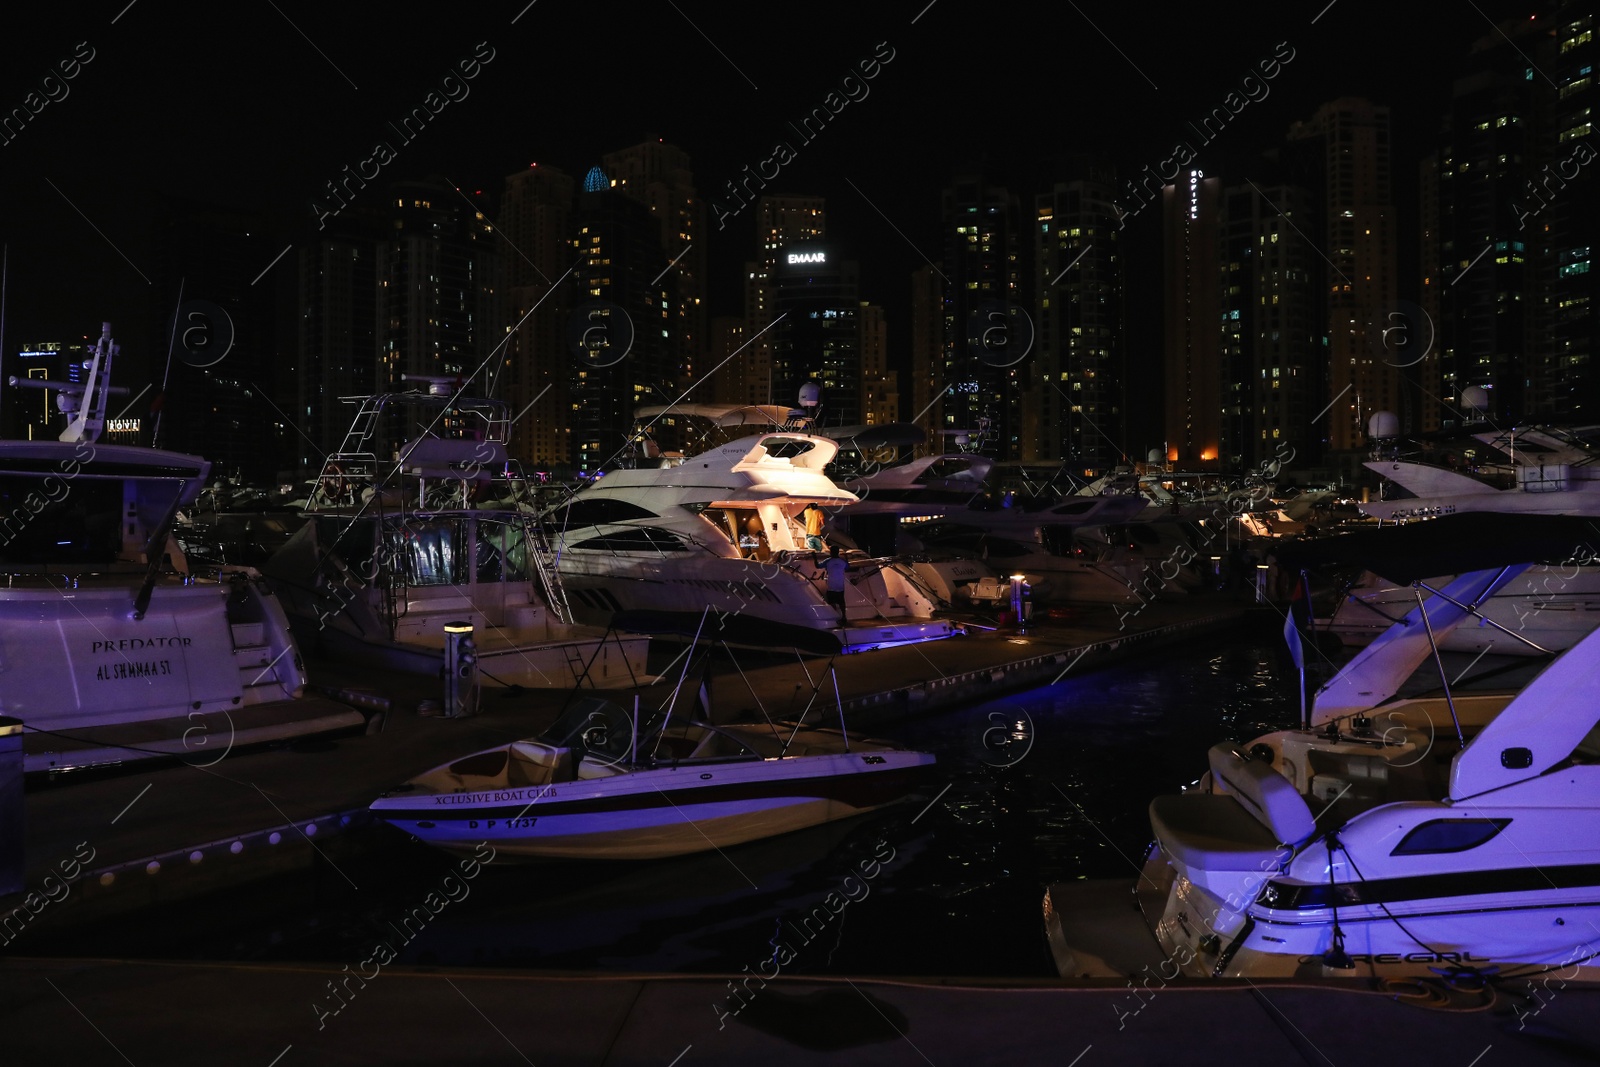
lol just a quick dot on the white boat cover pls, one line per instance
(1378, 671)
(1547, 719)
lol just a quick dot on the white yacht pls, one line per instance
(1388, 837)
(111, 650)
(1531, 470)
(402, 544)
(722, 529)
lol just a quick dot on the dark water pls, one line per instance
(936, 886)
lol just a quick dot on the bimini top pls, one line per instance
(1379, 670)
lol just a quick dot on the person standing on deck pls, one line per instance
(836, 569)
(814, 520)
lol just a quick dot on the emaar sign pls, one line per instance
(807, 257)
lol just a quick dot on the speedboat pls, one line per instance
(112, 649)
(722, 529)
(1447, 833)
(604, 784)
(398, 552)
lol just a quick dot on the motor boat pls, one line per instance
(112, 648)
(606, 784)
(1443, 833)
(1547, 609)
(1528, 470)
(722, 529)
(434, 536)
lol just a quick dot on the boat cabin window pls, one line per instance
(352, 542)
(47, 520)
(502, 552)
(598, 511)
(1448, 835)
(432, 552)
(642, 539)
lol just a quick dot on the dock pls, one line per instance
(156, 833)
(96, 1011)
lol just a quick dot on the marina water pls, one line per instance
(1043, 786)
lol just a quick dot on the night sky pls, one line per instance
(256, 105)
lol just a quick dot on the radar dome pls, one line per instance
(1155, 455)
(1383, 424)
(1475, 398)
(810, 395)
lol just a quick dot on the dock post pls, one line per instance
(11, 806)
(460, 671)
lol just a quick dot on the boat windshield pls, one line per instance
(57, 520)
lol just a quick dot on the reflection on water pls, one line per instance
(1046, 785)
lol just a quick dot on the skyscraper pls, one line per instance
(1078, 409)
(618, 248)
(983, 380)
(339, 330)
(1492, 331)
(1190, 214)
(1341, 154)
(534, 216)
(660, 176)
(1271, 301)
(1571, 377)
(781, 221)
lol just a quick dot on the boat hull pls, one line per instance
(669, 811)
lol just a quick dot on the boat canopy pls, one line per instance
(1379, 670)
(1542, 727)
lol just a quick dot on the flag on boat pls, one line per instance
(1291, 628)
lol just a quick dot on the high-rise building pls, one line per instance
(781, 222)
(534, 216)
(1571, 377)
(730, 381)
(634, 364)
(984, 384)
(1190, 214)
(339, 330)
(659, 175)
(1491, 329)
(880, 385)
(927, 355)
(442, 282)
(1078, 409)
(1341, 154)
(815, 336)
(1271, 339)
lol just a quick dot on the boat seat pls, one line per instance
(1255, 825)
(1264, 793)
(536, 763)
(1213, 831)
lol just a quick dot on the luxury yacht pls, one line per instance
(111, 648)
(723, 529)
(434, 534)
(1531, 470)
